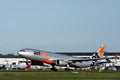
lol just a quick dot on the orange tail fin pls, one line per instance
(100, 52)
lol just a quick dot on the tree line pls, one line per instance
(9, 56)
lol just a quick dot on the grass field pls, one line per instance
(59, 76)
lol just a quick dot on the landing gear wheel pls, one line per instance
(53, 69)
(67, 69)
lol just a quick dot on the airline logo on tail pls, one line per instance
(100, 52)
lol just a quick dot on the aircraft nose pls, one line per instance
(25, 53)
(21, 53)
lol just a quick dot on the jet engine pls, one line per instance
(61, 62)
(36, 63)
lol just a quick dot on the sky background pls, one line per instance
(59, 25)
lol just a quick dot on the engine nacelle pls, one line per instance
(36, 63)
(60, 62)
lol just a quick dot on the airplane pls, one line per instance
(40, 57)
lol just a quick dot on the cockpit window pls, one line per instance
(22, 50)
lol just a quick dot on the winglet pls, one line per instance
(101, 51)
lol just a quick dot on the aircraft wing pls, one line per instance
(83, 59)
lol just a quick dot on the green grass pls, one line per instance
(59, 76)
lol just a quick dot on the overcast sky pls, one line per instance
(59, 25)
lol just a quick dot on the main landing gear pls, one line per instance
(68, 68)
(53, 68)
